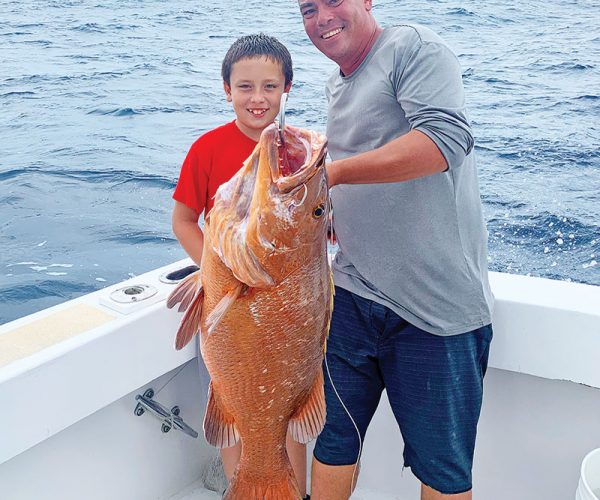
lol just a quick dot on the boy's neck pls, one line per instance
(251, 133)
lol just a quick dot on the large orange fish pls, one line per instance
(262, 303)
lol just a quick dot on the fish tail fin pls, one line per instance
(189, 294)
(245, 486)
(308, 421)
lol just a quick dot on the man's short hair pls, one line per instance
(256, 46)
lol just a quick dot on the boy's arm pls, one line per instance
(185, 226)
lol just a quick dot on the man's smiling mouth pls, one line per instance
(331, 33)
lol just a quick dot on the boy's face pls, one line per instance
(255, 91)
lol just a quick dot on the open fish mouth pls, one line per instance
(297, 158)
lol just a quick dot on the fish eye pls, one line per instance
(319, 211)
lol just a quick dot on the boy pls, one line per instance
(256, 71)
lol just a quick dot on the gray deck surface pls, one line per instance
(197, 492)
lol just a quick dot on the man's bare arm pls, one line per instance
(408, 157)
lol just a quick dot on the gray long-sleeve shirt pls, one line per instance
(418, 247)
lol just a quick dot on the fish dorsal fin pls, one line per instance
(189, 294)
(308, 421)
(227, 225)
(215, 316)
(219, 425)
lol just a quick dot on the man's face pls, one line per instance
(338, 28)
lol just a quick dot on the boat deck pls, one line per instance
(196, 491)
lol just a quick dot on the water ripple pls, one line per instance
(100, 103)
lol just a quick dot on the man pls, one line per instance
(413, 305)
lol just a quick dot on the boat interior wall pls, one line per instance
(546, 328)
(115, 455)
(532, 436)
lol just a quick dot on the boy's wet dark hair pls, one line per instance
(257, 46)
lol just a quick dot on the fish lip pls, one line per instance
(316, 147)
(307, 172)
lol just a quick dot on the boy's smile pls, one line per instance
(259, 113)
(255, 91)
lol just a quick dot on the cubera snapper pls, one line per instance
(262, 303)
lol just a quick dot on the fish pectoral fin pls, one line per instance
(219, 426)
(247, 268)
(189, 294)
(308, 421)
(232, 248)
(190, 323)
(215, 316)
(185, 292)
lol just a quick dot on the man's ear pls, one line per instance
(287, 87)
(227, 89)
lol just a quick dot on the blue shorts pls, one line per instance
(434, 385)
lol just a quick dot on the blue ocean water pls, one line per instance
(99, 103)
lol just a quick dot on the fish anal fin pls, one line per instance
(308, 421)
(215, 316)
(219, 426)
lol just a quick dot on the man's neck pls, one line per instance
(348, 69)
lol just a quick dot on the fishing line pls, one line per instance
(353, 423)
(176, 373)
(303, 198)
(330, 259)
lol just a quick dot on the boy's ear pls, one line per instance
(288, 87)
(227, 89)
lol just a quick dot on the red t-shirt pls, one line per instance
(212, 160)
